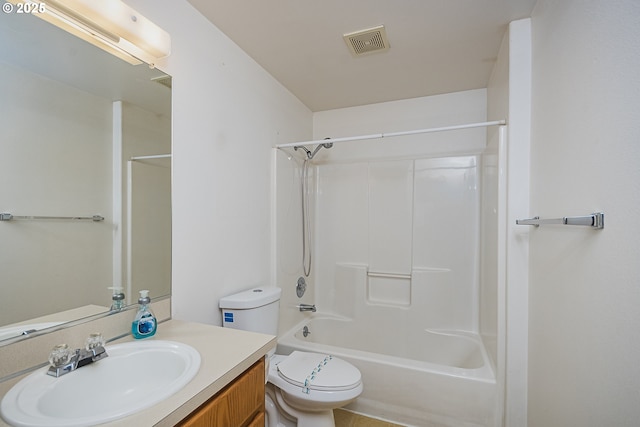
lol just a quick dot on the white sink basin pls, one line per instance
(135, 376)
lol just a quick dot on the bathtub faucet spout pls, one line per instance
(307, 307)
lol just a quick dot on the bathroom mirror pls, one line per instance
(82, 134)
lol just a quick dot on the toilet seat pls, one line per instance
(335, 384)
(319, 372)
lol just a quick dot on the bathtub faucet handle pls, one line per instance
(307, 307)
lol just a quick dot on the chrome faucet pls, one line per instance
(63, 360)
(307, 307)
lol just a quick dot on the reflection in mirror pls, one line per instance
(82, 133)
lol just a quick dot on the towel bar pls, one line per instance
(9, 217)
(595, 220)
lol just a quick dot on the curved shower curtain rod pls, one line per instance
(390, 134)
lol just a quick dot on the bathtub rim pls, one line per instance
(485, 374)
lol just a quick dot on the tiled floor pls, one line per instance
(349, 419)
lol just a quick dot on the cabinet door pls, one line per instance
(237, 405)
(258, 421)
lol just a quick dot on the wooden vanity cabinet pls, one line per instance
(239, 404)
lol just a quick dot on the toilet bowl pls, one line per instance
(309, 386)
(303, 388)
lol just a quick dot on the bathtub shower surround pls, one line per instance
(405, 260)
(418, 251)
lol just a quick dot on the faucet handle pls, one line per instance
(94, 345)
(60, 355)
(94, 341)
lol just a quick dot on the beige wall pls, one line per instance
(149, 235)
(55, 161)
(584, 290)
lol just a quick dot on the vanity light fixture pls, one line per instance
(108, 24)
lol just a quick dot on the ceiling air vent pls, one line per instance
(367, 41)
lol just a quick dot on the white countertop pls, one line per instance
(225, 353)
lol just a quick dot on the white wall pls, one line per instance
(584, 289)
(408, 114)
(227, 113)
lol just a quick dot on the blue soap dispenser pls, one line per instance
(144, 324)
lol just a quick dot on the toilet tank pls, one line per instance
(255, 310)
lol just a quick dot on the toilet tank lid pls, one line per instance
(252, 298)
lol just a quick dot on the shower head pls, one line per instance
(310, 154)
(302, 147)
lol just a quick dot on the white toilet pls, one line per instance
(303, 388)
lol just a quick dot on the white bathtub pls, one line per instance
(421, 378)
